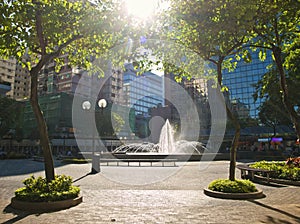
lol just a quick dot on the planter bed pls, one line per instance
(241, 196)
(44, 206)
(277, 181)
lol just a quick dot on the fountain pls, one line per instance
(166, 139)
(166, 145)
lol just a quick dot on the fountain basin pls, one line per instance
(178, 156)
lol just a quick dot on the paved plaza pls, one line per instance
(149, 195)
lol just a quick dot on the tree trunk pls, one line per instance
(285, 95)
(42, 126)
(235, 141)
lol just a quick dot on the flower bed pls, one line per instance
(288, 170)
(238, 189)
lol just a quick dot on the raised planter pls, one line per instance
(44, 206)
(241, 196)
(277, 181)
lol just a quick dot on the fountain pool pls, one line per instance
(166, 145)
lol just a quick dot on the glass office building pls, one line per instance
(142, 92)
(241, 82)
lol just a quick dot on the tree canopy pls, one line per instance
(277, 29)
(217, 32)
(36, 32)
(32, 30)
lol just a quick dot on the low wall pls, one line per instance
(241, 155)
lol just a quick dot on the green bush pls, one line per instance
(37, 189)
(228, 186)
(282, 170)
(75, 161)
(16, 155)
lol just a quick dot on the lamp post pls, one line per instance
(86, 105)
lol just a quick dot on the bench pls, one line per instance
(139, 161)
(247, 171)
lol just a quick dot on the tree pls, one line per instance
(38, 31)
(10, 115)
(277, 29)
(272, 111)
(108, 123)
(216, 31)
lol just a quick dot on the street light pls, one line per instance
(102, 104)
(86, 105)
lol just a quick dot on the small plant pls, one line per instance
(293, 162)
(38, 190)
(228, 186)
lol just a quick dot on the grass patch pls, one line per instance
(228, 186)
(38, 190)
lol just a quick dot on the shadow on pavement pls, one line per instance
(79, 178)
(22, 166)
(19, 214)
(270, 184)
(275, 220)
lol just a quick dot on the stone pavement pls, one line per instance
(149, 195)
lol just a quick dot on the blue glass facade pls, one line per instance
(240, 82)
(142, 92)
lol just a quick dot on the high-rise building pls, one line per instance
(12, 72)
(57, 111)
(197, 90)
(142, 92)
(7, 74)
(240, 83)
(70, 79)
(22, 83)
(51, 81)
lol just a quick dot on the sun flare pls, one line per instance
(141, 9)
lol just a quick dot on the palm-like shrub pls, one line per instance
(38, 189)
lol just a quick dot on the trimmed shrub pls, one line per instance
(283, 170)
(75, 161)
(16, 155)
(228, 186)
(38, 190)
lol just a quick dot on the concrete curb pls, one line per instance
(258, 178)
(44, 206)
(238, 196)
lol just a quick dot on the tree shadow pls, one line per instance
(19, 215)
(273, 220)
(270, 184)
(277, 220)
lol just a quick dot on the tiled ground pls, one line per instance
(150, 195)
